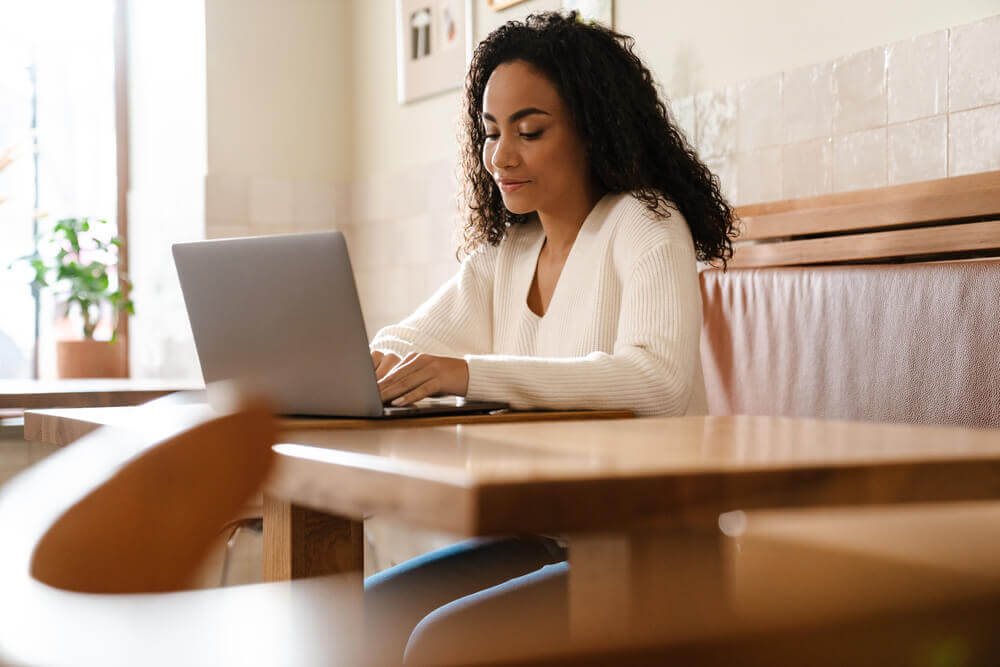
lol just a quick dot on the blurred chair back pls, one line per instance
(119, 513)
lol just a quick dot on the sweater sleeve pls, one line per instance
(654, 362)
(456, 320)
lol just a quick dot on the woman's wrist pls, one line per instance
(462, 377)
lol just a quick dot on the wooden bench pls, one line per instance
(879, 305)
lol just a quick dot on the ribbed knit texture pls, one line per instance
(621, 331)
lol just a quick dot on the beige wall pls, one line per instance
(279, 88)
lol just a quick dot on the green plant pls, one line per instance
(74, 260)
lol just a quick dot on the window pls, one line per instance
(57, 116)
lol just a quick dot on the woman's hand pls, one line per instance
(383, 362)
(418, 376)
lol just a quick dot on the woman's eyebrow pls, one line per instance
(517, 115)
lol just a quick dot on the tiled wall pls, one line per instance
(400, 228)
(923, 108)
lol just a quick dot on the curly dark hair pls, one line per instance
(632, 144)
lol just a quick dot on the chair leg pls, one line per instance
(229, 552)
(254, 524)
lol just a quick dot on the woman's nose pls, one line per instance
(504, 154)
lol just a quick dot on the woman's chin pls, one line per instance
(518, 206)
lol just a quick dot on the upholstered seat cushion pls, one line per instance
(913, 343)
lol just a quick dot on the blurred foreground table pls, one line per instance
(91, 393)
(642, 500)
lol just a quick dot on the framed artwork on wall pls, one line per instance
(497, 5)
(433, 46)
(601, 11)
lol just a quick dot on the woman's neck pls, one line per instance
(562, 227)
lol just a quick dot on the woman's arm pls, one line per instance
(455, 321)
(652, 368)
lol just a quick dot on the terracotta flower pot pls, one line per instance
(90, 359)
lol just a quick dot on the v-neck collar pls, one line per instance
(589, 230)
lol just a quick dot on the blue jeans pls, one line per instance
(457, 599)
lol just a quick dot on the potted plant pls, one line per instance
(78, 261)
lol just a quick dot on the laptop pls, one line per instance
(281, 314)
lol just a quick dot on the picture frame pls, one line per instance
(601, 11)
(497, 5)
(434, 44)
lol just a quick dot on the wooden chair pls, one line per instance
(100, 538)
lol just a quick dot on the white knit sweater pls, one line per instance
(621, 331)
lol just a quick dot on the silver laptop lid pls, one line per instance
(282, 314)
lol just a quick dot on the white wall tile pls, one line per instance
(412, 241)
(918, 77)
(227, 197)
(725, 168)
(807, 102)
(442, 187)
(859, 160)
(715, 122)
(759, 119)
(859, 91)
(682, 113)
(368, 200)
(225, 229)
(975, 64)
(270, 201)
(342, 207)
(270, 229)
(415, 288)
(397, 295)
(444, 235)
(371, 288)
(918, 150)
(759, 175)
(312, 204)
(974, 141)
(366, 243)
(806, 169)
(405, 193)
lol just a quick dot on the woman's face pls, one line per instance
(532, 148)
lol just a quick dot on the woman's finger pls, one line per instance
(400, 386)
(404, 378)
(428, 388)
(386, 364)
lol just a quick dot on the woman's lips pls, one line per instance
(511, 185)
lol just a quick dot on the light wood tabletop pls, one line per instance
(98, 392)
(639, 498)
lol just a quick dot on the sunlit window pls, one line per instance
(57, 124)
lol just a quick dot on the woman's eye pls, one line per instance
(492, 136)
(531, 135)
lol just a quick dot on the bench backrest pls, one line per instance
(913, 343)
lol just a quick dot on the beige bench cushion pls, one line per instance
(913, 343)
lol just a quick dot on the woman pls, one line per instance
(587, 213)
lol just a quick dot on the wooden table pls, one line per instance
(641, 499)
(39, 394)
